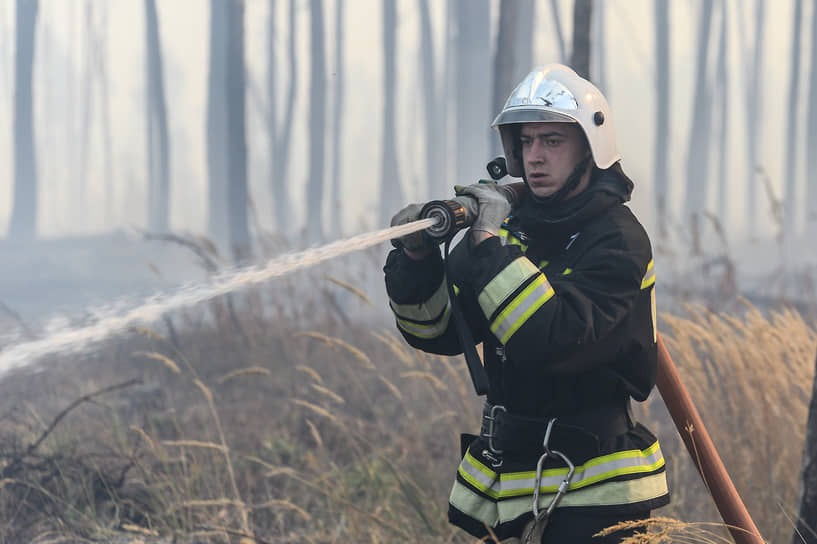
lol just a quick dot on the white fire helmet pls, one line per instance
(555, 93)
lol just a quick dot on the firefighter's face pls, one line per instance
(550, 152)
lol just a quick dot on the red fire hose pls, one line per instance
(703, 452)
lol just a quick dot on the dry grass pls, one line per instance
(283, 428)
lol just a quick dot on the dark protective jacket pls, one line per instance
(564, 304)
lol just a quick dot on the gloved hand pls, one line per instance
(493, 205)
(416, 241)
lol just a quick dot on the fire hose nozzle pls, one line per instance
(451, 216)
(460, 212)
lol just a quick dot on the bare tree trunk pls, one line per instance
(431, 100)
(237, 146)
(580, 57)
(754, 110)
(336, 207)
(504, 66)
(598, 66)
(217, 124)
(284, 135)
(317, 126)
(526, 14)
(86, 121)
(723, 121)
(811, 138)
(790, 190)
(23, 223)
(699, 136)
(158, 144)
(807, 522)
(105, 113)
(472, 90)
(662, 114)
(559, 33)
(391, 192)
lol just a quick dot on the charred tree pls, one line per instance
(523, 52)
(158, 144)
(434, 123)
(598, 55)
(698, 154)
(504, 65)
(317, 126)
(790, 188)
(336, 207)
(662, 114)
(811, 136)
(580, 56)
(237, 197)
(754, 110)
(279, 142)
(723, 119)
(471, 94)
(807, 519)
(23, 223)
(558, 31)
(391, 192)
(217, 172)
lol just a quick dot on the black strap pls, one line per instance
(478, 375)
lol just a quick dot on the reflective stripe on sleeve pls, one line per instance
(649, 277)
(426, 331)
(517, 312)
(598, 469)
(504, 284)
(427, 311)
(511, 239)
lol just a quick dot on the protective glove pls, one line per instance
(416, 241)
(493, 205)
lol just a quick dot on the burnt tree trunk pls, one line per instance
(217, 172)
(580, 56)
(23, 223)
(391, 192)
(790, 179)
(237, 194)
(317, 125)
(158, 145)
(336, 203)
(504, 65)
(662, 115)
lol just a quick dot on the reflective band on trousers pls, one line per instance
(503, 285)
(512, 484)
(649, 277)
(517, 312)
(492, 512)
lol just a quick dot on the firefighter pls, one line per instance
(560, 290)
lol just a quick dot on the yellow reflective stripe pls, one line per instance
(427, 311)
(595, 470)
(426, 330)
(511, 239)
(521, 308)
(567, 271)
(543, 264)
(504, 284)
(494, 512)
(649, 277)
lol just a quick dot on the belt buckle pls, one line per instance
(492, 427)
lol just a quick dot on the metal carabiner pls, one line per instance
(533, 532)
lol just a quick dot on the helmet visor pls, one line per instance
(538, 99)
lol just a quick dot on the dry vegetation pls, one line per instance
(286, 427)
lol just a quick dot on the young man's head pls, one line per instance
(554, 127)
(550, 153)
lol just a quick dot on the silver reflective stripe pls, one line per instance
(649, 277)
(494, 512)
(521, 308)
(426, 331)
(428, 310)
(504, 284)
(593, 471)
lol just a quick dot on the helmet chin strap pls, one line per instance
(571, 183)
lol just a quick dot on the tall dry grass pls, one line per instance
(259, 426)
